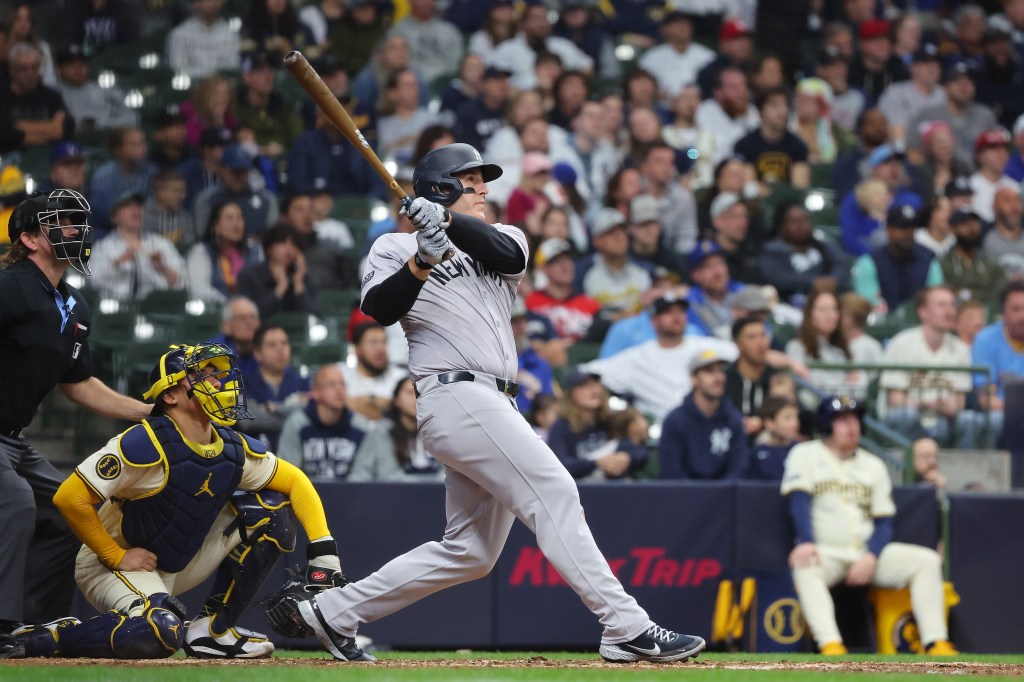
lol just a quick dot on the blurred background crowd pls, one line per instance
(723, 198)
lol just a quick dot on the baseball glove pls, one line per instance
(282, 607)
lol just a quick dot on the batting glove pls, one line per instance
(433, 245)
(426, 215)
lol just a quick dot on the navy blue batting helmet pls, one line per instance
(834, 405)
(434, 177)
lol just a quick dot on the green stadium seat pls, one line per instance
(582, 352)
(296, 324)
(195, 328)
(338, 303)
(321, 354)
(821, 174)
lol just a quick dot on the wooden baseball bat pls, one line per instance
(310, 80)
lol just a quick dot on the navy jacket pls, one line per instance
(572, 448)
(768, 462)
(900, 280)
(699, 447)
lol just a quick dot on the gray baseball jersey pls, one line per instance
(461, 319)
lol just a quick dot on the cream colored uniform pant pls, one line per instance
(106, 589)
(900, 565)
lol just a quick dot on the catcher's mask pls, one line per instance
(62, 215)
(212, 377)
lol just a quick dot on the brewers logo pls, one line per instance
(108, 468)
(783, 621)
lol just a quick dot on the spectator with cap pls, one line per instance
(676, 61)
(628, 373)
(203, 171)
(170, 146)
(848, 103)
(323, 160)
(645, 240)
(519, 53)
(730, 222)
(999, 79)
(204, 43)
(477, 119)
(611, 276)
(704, 438)
(580, 436)
(274, 122)
(812, 122)
(128, 172)
(67, 168)
(941, 163)
(890, 275)
(259, 206)
(728, 114)
(676, 203)
(795, 261)
(850, 168)
(775, 155)
(534, 375)
(991, 153)
(709, 298)
(859, 215)
(735, 48)
(435, 45)
(574, 315)
(37, 112)
(876, 67)
(131, 262)
(1005, 242)
(967, 118)
(92, 107)
(902, 100)
(965, 270)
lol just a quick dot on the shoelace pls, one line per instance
(660, 634)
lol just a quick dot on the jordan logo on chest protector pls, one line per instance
(205, 487)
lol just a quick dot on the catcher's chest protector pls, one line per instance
(173, 523)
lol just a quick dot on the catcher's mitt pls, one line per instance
(282, 607)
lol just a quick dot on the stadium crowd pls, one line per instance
(716, 194)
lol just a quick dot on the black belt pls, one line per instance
(10, 432)
(509, 388)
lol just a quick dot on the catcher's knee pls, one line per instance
(266, 517)
(157, 632)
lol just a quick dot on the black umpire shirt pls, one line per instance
(41, 344)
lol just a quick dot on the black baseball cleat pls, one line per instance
(341, 647)
(11, 647)
(657, 644)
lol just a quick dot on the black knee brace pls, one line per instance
(155, 633)
(268, 527)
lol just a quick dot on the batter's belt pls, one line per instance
(509, 388)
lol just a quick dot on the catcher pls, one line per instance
(174, 512)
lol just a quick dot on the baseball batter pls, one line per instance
(170, 518)
(840, 498)
(456, 316)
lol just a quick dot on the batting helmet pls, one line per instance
(834, 405)
(56, 214)
(223, 400)
(434, 177)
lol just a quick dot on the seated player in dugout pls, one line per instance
(184, 496)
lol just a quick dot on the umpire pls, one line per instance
(44, 328)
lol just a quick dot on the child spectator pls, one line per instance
(164, 212)
(781, 419)
(543, 413)
(926, 464)
(782, 385)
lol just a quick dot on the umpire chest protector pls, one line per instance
(173, 521)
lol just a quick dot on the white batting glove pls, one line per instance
(426, 215)
(433, 245)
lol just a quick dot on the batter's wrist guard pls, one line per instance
(422, 264)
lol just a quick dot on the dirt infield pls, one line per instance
(707, 663)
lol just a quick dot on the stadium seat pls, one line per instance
(338, 302)
(581, 352)
(821, 174)
(321, 354)
(296, 324)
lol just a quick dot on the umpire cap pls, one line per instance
(434, 177)
(834, 405)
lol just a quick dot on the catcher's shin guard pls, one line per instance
(268, 528)
(155, 633)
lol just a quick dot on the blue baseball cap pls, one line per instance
(236, 158)
(63, 151)
(882, 154)
(704, 249)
